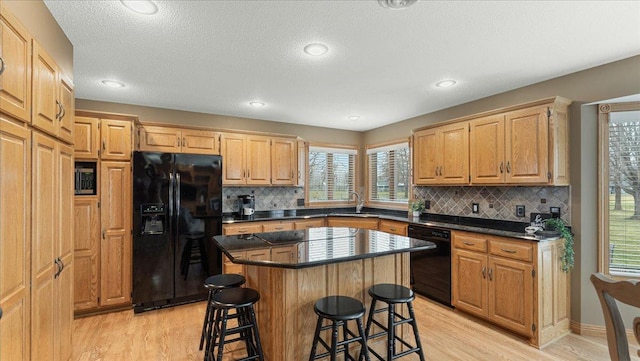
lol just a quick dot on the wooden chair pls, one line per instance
(608, 292)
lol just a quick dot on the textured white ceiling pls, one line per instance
(382, 64)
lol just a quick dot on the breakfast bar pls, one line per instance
(293, 269)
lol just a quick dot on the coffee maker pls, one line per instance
(246, 205)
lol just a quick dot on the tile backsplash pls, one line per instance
(496, 202)
(267, 198)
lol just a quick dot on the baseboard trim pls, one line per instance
(597, 331)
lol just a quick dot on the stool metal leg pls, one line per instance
(223, 331)
(344, 338)
(334, 340)
(391, 337)
(316, 337)
(206, 322)
(414, 324)
(364, 350)
(252, 315)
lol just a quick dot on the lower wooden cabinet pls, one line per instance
(393, 227)
(103, 242)
(309, 223)
(353, 222)
(516, 284)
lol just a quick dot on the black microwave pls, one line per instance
(86, 180)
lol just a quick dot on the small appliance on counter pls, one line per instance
(246, 205)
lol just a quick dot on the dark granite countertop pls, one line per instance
(319, 246)
(478, 225)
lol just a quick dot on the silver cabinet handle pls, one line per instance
(63, 111)
(184, 142)
(3, 65)
(436, 170)
(508, 250)
(170, 195)
(178, 195)
(508, 167)
(58, 110)
(490, 274)
(104, 144)
(469, 243)
(501, 167)
(484, 269)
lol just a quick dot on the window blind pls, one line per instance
(388, 173)
(331, 173)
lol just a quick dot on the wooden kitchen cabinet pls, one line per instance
(394, 227)
(51, 92)
(277, 226)
(177, 140)
(15, 233)
(441, 155)
(353, 222)
(513, 283)
(284, 167)
(521, 146)
(258, 160)
(52, 249)
(309, 223)
(241, 228)
(15, 79)
(103, 136)
(284, 254)
(87, 252)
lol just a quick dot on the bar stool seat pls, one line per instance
(241, 300)
(393, 295)
(339, 310)
(214, 284)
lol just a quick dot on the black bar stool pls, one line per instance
(241, 300)
(214, 284)
(339, 310)
(392, 295)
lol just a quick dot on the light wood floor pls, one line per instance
(173, 334)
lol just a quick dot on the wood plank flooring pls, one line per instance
(173, 334)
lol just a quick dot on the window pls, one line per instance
(331, 174)
(388, 173)
(620, 189)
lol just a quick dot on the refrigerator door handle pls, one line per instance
(170, 195)
(178, 195)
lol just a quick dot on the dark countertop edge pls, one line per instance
(319, 263)
(380, 214)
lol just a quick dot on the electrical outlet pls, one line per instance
(555, 212)
(427, 204)
(475, 208)
(520, 211)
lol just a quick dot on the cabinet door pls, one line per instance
(116, 139)
(487, 150)
(353, 222)
(44, 230)
(15, 247)
(45, 91)
(15, 79)
(258, 160)
(309, 223)
(64, 310)
(287, 254)
(263, 254)
(232, 148)
(87, 138)
(242, 228)
(115, 248)
(87, 236)
(283, 161)
(469, 283)
(454, 154)
(511, 295)
(277, 226)
(425, 157)
(303, 163)
(160, 139)
(527, 133)
(393, 227)
(65, 193)
(230, 267)
(200, 142)
(67, 102)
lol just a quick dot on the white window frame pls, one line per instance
(331, 148)
(604, 254)
(374, 148)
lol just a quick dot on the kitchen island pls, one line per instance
(293, 269)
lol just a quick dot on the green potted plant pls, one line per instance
(568, 256)
(416, 207)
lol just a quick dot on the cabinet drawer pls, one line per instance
(469, 241)
(277, 226)
(353, 222)
(511, 249)
(245, 228)
(309, 223)
(394, 227)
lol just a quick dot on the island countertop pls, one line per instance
(318, 246)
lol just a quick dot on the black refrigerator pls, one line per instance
(177, 209)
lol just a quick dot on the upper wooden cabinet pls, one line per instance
(177, 140)
(258, 160)
(521, 146)
(51, 91)
(284, 168)
(15, 67)
(103, 136)
(441, 155)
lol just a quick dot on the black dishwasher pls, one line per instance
(431, 269)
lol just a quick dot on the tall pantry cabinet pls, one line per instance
(36, 199)
(103, 233)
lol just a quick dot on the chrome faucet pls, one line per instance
(359, 202)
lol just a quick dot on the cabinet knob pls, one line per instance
(2, 65)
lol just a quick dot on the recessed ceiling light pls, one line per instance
(396, 4)
(256, 104)
(144, 7)
(316, 49)
(445, 83)
(354, 117)
(113, 83)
